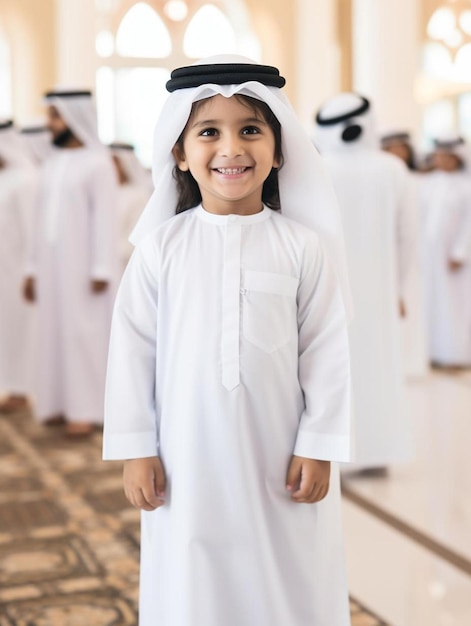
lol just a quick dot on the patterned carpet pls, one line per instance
(69, 542)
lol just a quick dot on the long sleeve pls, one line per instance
(104, 216)
(130, 410)
(324, 364)
(30, 212)
(26, 202)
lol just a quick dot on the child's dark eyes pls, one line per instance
(251, 130)
(213, 132)
(208, 132)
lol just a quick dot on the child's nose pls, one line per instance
(231, 146)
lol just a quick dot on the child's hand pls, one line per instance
(144, 483)
(308, 479)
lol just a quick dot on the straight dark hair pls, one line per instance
(189, 194)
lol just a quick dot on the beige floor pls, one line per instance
(409, 534)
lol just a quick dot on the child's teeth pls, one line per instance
(231, 170)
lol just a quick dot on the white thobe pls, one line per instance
(446, 212)
(229, 352)
(75, 244)
(374, 197)
(414, 326)
(17, 198)
(132, 200)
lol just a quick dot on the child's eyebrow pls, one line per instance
(248, 120)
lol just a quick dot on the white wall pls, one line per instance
(75, 35)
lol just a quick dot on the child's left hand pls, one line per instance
(308, 479)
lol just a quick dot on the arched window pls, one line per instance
(142, 34)
(446, 78)
(437, 61)
(439, 117)
(5, 78)
(138, 44)
(464, 114)
(209, 32)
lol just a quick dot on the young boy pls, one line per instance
(228, 380)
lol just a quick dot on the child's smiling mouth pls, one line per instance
(231, 171)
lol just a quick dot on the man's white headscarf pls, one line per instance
(344, 122)
(452, 143)
(306, 193)
(135, 171)
(77, 109)
(12, 150)
(37, 140)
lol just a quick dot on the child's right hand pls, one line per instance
(144, 483)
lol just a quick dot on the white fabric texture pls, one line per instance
(79, 113)
(376, 203)
(38, 144)
(137, 174)
(17, 198)
(225, 417)
(414, 325)
(12, 149)
(133, 196)
(305, 190)
(75, 243)
(446, 214)
(131, 201)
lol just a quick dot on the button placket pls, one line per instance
(231, 305)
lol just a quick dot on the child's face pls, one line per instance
(230, 151)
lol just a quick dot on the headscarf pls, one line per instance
(37, 139)
(452, 143)
(77, 109)
(12, 150)
(135, 171)
(344, 122)
(399, 136)
(306, 193)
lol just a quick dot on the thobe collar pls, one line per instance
(243, 220)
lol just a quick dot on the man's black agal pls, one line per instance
(6, 124)
(68, 94)
(34, 130)
(224, 74)
(119, 145)
(331, 121)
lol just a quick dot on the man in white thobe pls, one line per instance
(399, 143)
(74, 266)
(446, 226)
(374, 196)
(135, 189)
(17, 195)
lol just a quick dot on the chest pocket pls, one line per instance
(269, 319)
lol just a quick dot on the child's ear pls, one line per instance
(180, 159)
